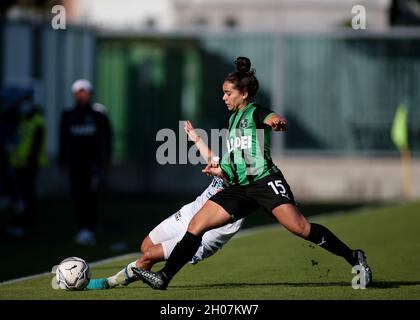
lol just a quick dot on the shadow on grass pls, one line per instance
(393, 284)
(375, 285)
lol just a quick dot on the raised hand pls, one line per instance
(190, 131)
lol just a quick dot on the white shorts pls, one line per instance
(171, 230)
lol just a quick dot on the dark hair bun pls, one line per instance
(243, 64)
(243, 78)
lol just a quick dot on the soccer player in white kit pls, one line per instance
(160, 242)
(170, 231)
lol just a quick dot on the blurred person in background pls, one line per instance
(85, 152)
(27, 152)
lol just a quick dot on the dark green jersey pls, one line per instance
(248, 158)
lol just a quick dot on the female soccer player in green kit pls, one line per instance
(254, 182)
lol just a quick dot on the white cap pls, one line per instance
(82, 84)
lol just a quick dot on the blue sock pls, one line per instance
(98, 284)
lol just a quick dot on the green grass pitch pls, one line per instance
(272, 264)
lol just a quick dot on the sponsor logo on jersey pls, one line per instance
(244, 124)
(240, 143)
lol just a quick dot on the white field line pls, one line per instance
(125, 256)
(241, 234)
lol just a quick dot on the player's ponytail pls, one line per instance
(244, 78)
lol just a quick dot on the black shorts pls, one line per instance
(268, 193)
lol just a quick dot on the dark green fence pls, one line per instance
(340, 92)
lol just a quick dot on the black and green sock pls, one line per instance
(324, 238)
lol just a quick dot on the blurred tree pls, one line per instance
(405, 13)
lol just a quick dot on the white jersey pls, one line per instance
(192, 208)
(170, 231)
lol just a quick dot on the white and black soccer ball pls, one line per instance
(72, 273)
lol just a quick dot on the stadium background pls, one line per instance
(339, 88)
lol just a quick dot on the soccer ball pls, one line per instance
(72, 273)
